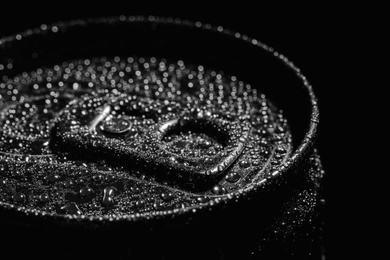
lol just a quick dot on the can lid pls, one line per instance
(105, 134)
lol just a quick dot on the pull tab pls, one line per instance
(175, 145)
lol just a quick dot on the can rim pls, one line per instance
(212, 203)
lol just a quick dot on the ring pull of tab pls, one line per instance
(132, 132)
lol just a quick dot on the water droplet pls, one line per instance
(44, 197)
(3, 182)
(94, 205)
(208, 160)
(134, 189)
(263, 142)
(98, 178)
(80, 164)
(140, 203)
(205, 144)
(115, 126)
(280, 130)
(16, 173)
(232, 177)
(109, 178)
(278, 138)
(108, 196)
(279, 156)
(256, 162)
(218, 190)
(80, 181)
(19, 197)
(167, 196)
(68, 183)
(86, 192)
(275, 162)
(52, 177)
(26, 158)
(265, 152)
(202, 199)
(280, 150)
(211, 152)
(244, 163)
(83, 172)
(103, 169)
(71, 208)
(158, 206)
(62, 159)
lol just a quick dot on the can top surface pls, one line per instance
(28, 51)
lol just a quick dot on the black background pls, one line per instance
(315, 39)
